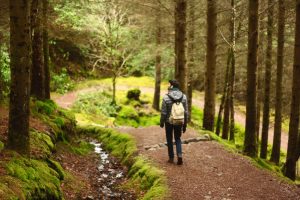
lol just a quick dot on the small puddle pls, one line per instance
(112, 174)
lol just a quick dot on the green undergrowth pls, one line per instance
(37, 177)
(144, 176)
(97, 108)
(58, 119)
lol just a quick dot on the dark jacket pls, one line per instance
(167, 102)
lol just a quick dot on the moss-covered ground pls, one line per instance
(96, 108)
(144, 176)
(37, 177)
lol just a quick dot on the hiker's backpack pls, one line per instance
(177, 112)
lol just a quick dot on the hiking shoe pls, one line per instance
(171, 160)
(179, 162)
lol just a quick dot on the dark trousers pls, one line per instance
(176, 130)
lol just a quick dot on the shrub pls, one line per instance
(134, 94)
(61, 83)
(4, 72)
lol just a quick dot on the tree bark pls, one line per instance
(191, 54)
(46, 49)
(250, 143)
(221, 108)
(20, 62)
(260, 64)
(290, 166)
(232, 71)
(156, 99)
(275, 155)
(231, 89)
(180, 44)
(37, 75)
(225, 128)
(268, 75)
(210, 75)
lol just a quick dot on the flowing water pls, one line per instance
(112, 175)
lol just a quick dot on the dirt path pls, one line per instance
(68, 99)
(211, 172)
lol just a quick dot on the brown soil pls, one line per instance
(88, 182)
(211, 172)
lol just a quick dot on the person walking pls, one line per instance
(174, 117)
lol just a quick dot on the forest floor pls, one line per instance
(209, 171)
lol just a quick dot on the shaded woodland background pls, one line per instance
(238, 52)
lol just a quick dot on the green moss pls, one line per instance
(149, 120)
(34, 179)
(45, 107)
(128, 112)
(143, 174)
(1, 146)
(149, 179)
(57, 167)
(134, 94)
(41, 144)
(82, 148)
(59, 121)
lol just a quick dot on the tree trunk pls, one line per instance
(46, 49)
(114, 82)
(275, 155)
(191, 55)
(225, 129)
(232, 71)
(268, 75)
(221, 108)
(210, 75)
(290, 168)
(37, 75)
(250, 143)
(259, 76)
(156, 99)
(232, 81)
(20, 62)
(180, 40)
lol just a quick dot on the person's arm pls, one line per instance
(186, 114)
(163, 115)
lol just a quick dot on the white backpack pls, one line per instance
(177, 113)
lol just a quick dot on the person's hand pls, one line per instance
(161, 125)
(184, 128)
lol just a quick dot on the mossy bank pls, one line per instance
(37, 176)
(144, 176)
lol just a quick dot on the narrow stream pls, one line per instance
(112, 175)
